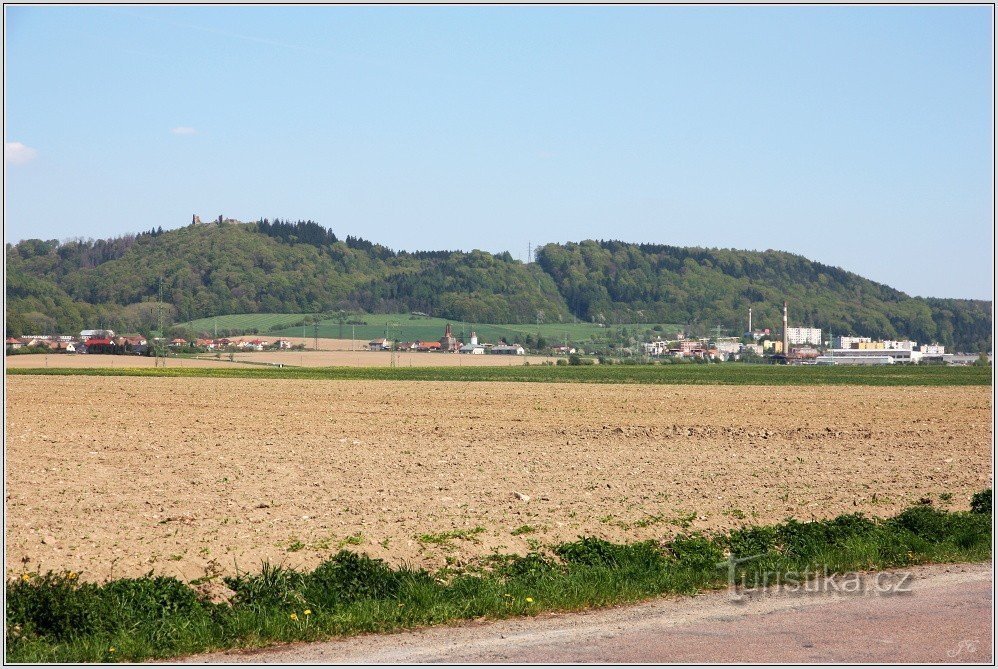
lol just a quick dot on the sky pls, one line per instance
(860, 137)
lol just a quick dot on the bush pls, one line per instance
(58, 606)
(532, 565)
(696, 551)
(806, 539)
(594, 552)
(751, 541)
(981, 502)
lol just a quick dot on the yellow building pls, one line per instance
(868, 345)
(770, 346)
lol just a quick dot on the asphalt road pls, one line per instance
(939, 614)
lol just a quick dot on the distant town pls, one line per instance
(794, 345)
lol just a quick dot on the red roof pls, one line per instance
(94, 341)
(11, 340)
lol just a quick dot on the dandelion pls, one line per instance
(25, 577)
(71, 575)
(112, 650)
(530, 600)
(294, 616)
(308, 612)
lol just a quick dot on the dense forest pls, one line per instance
(278, 266)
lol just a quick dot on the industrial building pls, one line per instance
(880, 359)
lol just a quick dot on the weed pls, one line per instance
(54, 617)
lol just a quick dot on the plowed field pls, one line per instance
(113, 476)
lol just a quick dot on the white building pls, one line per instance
(903, 345)
(655, 348)
(880, 359)
(896, 355)
(847, 342)
(728, 347)
(99, 334)
(379, 344)
(472, 349)
(797, 336)
(506, 349)
(932, 349)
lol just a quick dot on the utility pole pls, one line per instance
(390, 327)
(156, 344)
(315, 332)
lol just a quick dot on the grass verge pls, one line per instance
(54, 617)
(686, 374)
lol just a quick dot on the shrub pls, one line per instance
(981, 502)
(750, 541)
(530, 565)
(348, 577)
(696, 551)
(594, 552)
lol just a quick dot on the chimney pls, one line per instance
(786, 340)
(474, 338)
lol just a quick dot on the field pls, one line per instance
(411, 328)
(186, 475)
(308, 358)
(476, 368)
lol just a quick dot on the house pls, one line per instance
(100, 345)
(178, 342)
(408, 346)
(205, 343)
(563, 350)
(429, 346)
(472, 349)
(379, 344)
(508, 349)
(13, 344)
(282, 344)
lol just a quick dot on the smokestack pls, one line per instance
(786, 349)
(750, 320)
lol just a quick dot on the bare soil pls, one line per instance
(119, 476)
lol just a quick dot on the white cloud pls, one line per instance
(15, 153)
(184, 130)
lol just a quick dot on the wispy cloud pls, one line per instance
(183, 130)
(15, 153)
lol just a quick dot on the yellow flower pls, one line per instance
(308, 612)
(72, 575)
(530, 600)
(111, 650)
(25, 577)
(294, 616)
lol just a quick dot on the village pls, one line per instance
(794, 345)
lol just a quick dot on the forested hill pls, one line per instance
(229, 267)
(622, 283)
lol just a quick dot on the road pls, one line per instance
(940, 614)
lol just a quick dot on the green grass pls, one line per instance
(54, 617)
(412, 328)
(264, 323)
(712, 374)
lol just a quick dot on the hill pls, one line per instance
(205, 270)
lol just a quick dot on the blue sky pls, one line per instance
(861, 137)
